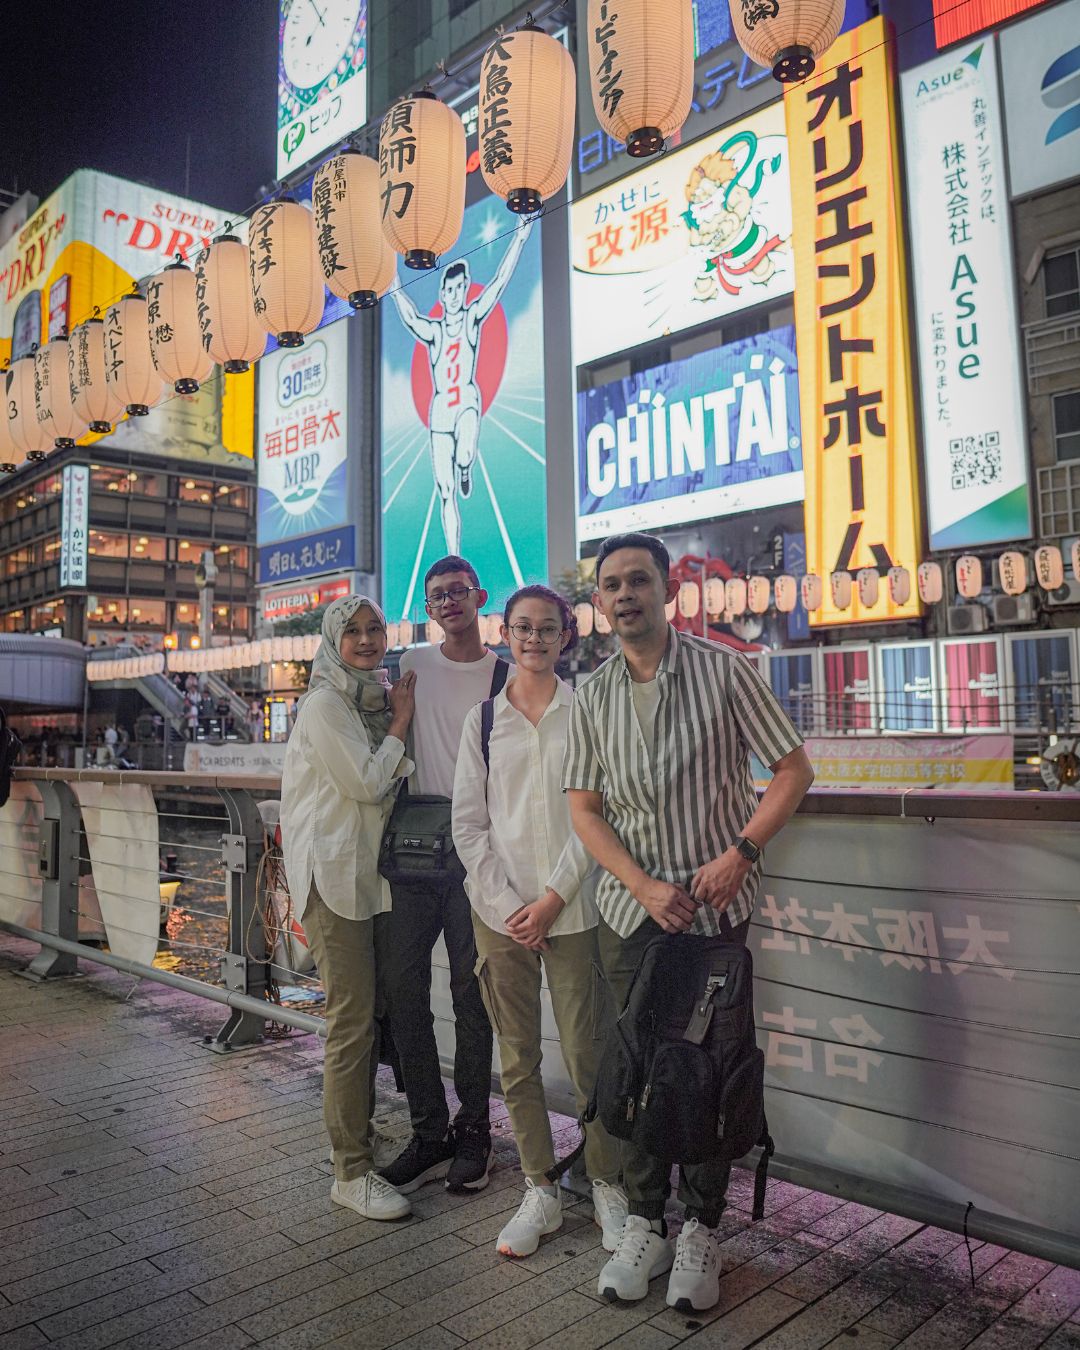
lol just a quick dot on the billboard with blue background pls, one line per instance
(463, 450)
(708, 435)
(908, 686)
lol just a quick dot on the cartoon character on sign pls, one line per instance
(457, 382)
(730, 244)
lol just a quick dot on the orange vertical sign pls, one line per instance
(851, 320)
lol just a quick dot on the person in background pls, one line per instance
(661, 793)
(191, 717)
(451, 677)
(531, 885)
(255, 720)
(343, 766)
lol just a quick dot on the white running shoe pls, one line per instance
(609, 1210)
(538, 1215)
(370, 1196)
(694, 1285)
(642, 1255)
(384, 1149)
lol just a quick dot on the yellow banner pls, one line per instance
(851, 318)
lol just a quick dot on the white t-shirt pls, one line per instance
(445, 691)
(646, 696)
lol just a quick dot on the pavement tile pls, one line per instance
(818, 1324)
(958, 1323)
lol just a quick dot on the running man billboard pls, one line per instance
(463, 447)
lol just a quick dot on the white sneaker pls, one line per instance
(384, 1149)
(641, 1256)
(609, 1210)
(370, 1196)
(538, 1215)
(694, 1285)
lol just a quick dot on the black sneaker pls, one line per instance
(472, 1158)
(465, 479)
(421, 1160)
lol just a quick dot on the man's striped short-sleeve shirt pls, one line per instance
(681, 802)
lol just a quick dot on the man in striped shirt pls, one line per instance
(658, 772)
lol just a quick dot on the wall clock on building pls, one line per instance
(317, 35)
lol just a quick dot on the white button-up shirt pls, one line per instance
(336, 794)
(512, 828)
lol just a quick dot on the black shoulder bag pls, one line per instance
(418, 843)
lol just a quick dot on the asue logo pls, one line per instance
(939, 83)
(1061, 89)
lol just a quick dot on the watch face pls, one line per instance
(316, 38)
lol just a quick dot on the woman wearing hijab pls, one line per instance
(343, 767)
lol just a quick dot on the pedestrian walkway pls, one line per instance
(154, 1195)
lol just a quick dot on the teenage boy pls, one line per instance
(658, 773)
(451, 678)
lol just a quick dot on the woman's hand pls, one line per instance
(531, 924)
(402, 705)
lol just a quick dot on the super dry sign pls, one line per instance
(851, 316)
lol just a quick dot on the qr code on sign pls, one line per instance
(975, 461)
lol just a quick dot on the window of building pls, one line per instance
(108, 613)
(51, 615)
(1067, 425)
(1061, 280)
(126, 481)
(104, 545)
(198, 490)
(33, 494)
(146, 614)
(147, 548)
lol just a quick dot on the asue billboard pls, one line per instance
(709, 435)
(974, 432)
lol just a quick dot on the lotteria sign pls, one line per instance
(710, 435)
(974, 434)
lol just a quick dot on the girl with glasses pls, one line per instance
(531, 886)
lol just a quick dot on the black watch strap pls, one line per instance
(748, 848)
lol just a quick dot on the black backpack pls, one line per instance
(10, 748)
(681, 1074)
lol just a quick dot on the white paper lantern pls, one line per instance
(26, 431)
(840, 584)
(175, 336)
(757, 595)
(266, 650)
(641, 69)
(931, 583)
(586, 618)
(357, 261)
(899, 585)
(670, 610)
(787, 37)
(230, 333)
(52, 397)
(812, 591)
(603, 624)
(94, 399)
(868, 583)
(129, 363)
(421, 178)
(277, 649)
(1049, 567)
(1076, 559)
(689, 599)
(527, 106)
(715, 602)
(10, 454)
(1013, 572)
(969, 575)
(735, 595)
(287, 289)
(785, 592)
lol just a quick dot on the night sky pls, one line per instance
(118, 86)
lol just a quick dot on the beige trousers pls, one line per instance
(345, 951)
(509, 977)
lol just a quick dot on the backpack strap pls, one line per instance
(498, 676)
(487, 721)
(761, 1172)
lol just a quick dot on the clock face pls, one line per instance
(316, 37)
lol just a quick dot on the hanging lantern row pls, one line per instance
(231, 334)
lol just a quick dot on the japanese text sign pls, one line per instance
(974, 433)
(322, 77)
(699, 234)
(74, 524)
(852, 322)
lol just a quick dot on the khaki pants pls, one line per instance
(509, 976)
(345, 951)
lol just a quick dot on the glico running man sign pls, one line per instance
(710, 435)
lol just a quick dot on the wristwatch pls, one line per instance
(748, 848)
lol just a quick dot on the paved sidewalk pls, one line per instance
(153, 1195)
